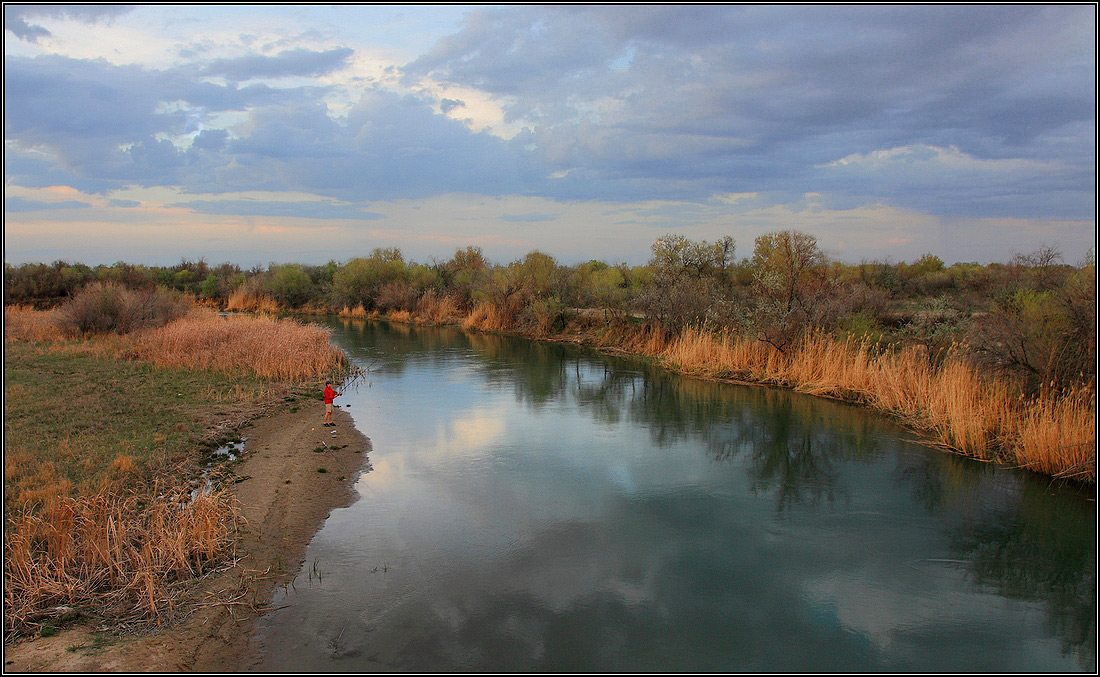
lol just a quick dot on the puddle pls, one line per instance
(218, 458)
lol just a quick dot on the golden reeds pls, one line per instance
(357, 311)
(1057, 435)
(120, 554)
(438, 310)
(23, 323)
(250, 302)
(957, 407)
(488, 317)
(279, 349)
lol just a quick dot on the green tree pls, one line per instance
(688, 279)
(289, 284)
(790, 285)
(359, 280)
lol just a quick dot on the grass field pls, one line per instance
(75, 421)
(103, 438)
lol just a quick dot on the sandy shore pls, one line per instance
(284, 501)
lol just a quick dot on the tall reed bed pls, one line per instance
(357, 311)
(117, 554)
(24, 323)
(278, 349)
(488, 317)
(947, 398)
(438, 309)
(250, 302)
(955, 405)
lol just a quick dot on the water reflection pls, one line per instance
(543, 507)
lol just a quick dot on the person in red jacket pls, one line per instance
(330, 395)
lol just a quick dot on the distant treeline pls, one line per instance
(1033, 316)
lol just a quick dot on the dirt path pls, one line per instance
(284, 502)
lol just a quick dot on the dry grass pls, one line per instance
(248, 302)
(438, 310)
(123, 555)
(956, 406)
(488, 317)
(276, 349)
(23, 323)
(1057, 435)
(357, 311)
(88, 427)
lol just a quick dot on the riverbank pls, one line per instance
(949, 402)
(282, 503)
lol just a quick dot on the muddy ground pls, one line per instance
(284, 501)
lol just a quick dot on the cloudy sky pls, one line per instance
(258, 134)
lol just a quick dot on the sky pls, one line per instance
(260, 134)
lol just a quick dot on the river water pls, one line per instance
(538, 507)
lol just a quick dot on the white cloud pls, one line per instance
(931, 159)
(734, 198)
(708, 121)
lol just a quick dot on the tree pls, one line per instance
(790, 286)
(687, 279)
(359, 281)
(289, 285)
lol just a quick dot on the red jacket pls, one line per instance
(330, 394)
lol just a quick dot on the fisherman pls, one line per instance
(330, 395)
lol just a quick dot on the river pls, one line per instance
(531, 506)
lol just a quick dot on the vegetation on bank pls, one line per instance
(996, 361)
(105, 430)
(115, 375)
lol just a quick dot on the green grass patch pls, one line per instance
(74, 420)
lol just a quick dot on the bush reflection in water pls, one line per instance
(1024, 547)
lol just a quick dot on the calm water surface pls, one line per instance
(534, 507)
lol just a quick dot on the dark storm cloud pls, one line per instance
(293, 62)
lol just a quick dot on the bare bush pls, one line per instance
(792, 286)
(105, 307)
(395, 295)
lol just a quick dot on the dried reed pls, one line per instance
(957, 406)
(123, 555)
(24, 323)
(488, 317)
(1057, 435)
(357, 311)
(249, 302)
(438, 310)
(279, 349)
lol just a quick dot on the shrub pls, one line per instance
(289, 285)
(396, 295)
(105, 307)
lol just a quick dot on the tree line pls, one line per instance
(1033, 316)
